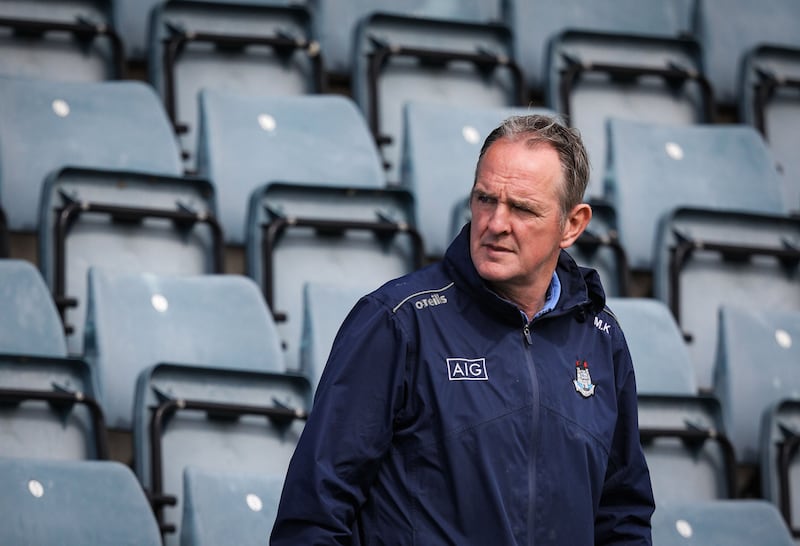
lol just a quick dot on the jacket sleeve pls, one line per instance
(348, 432)
(626, 504)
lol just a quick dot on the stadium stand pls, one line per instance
(731, 522)
(48, 406)
(72, 503)
(252, 48)
(71, 40)
(769, 99)
(400, 59)
(780, 434)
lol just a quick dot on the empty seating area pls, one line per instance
(195, 193)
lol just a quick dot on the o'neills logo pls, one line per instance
(433, 301)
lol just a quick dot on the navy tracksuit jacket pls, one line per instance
(442, 418)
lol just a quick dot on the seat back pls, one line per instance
(73, 502)
(596, 76)
(247, 48)
(228, 507)
(138, 320)
(756, 367)
(47, 125)
(246, 142)
(730, 522)
(401, 59)
(778, 461)
(654, 168)
(131, 221)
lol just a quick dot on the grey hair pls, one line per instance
(542, 129)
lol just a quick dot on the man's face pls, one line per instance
(517, 229)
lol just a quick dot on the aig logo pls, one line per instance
(462, 369)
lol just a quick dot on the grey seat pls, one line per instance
(73, 503)
(255, 48)
(778, 441)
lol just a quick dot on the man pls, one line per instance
(485, 400)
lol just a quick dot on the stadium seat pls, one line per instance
(47, 125)
(687, 451)
(400, 59)
(592, 77)
(769, 99)
(137, 320)
(440, 148)
(535, 22)
(212, 419)
(363, 235)
(719, 523)
(4, 237)
(130, 221)
(654, 168)
(246, 142)
(48, 405)
(778, 461)
(325, 306)
(228, 507)
(336, 21)
(708, 258)
(728, 29)
(250, 48)
(73, 503)
(65, 40)
(756, 368)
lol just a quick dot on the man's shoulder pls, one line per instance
(424, 288)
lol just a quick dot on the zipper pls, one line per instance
(528, 343)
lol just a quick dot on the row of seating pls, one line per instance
(193, 367)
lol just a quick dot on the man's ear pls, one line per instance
(577, 220)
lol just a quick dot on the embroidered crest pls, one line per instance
(583, 381)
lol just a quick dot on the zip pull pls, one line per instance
(527, 333)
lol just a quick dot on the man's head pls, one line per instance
(527, 204)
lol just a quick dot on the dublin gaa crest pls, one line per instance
(583, 381)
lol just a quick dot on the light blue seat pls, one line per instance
(756, 367)
(769, 99)
(440, 148)
(212, 419)
(708, 258)
(330, 233)
(132, 221)
(228, 507)
(592, 77)
(73, 503)
(249, 48)
(719, 523)
(684, 441)
(136, 320)
(325, 306)
(65, 40)
(401, 59)
(47, 125)
(246, 142)
(778, 461)
(335, 21)
(654, 168)
(727, 30)
(47, 401)
(536, 22)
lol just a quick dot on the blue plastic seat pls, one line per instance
(246, 142)
(64, 40)
(756, 368)
(73, 503)
(654, 168)
(709, 258)
(719, 523)
(536, 22)
(592, 77)
(769, 99)
(228, 507)
(48, 125)
(401, 59)
(48, 403)
(248, 48)
(778, 461)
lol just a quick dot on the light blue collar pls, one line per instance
(550, 298)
